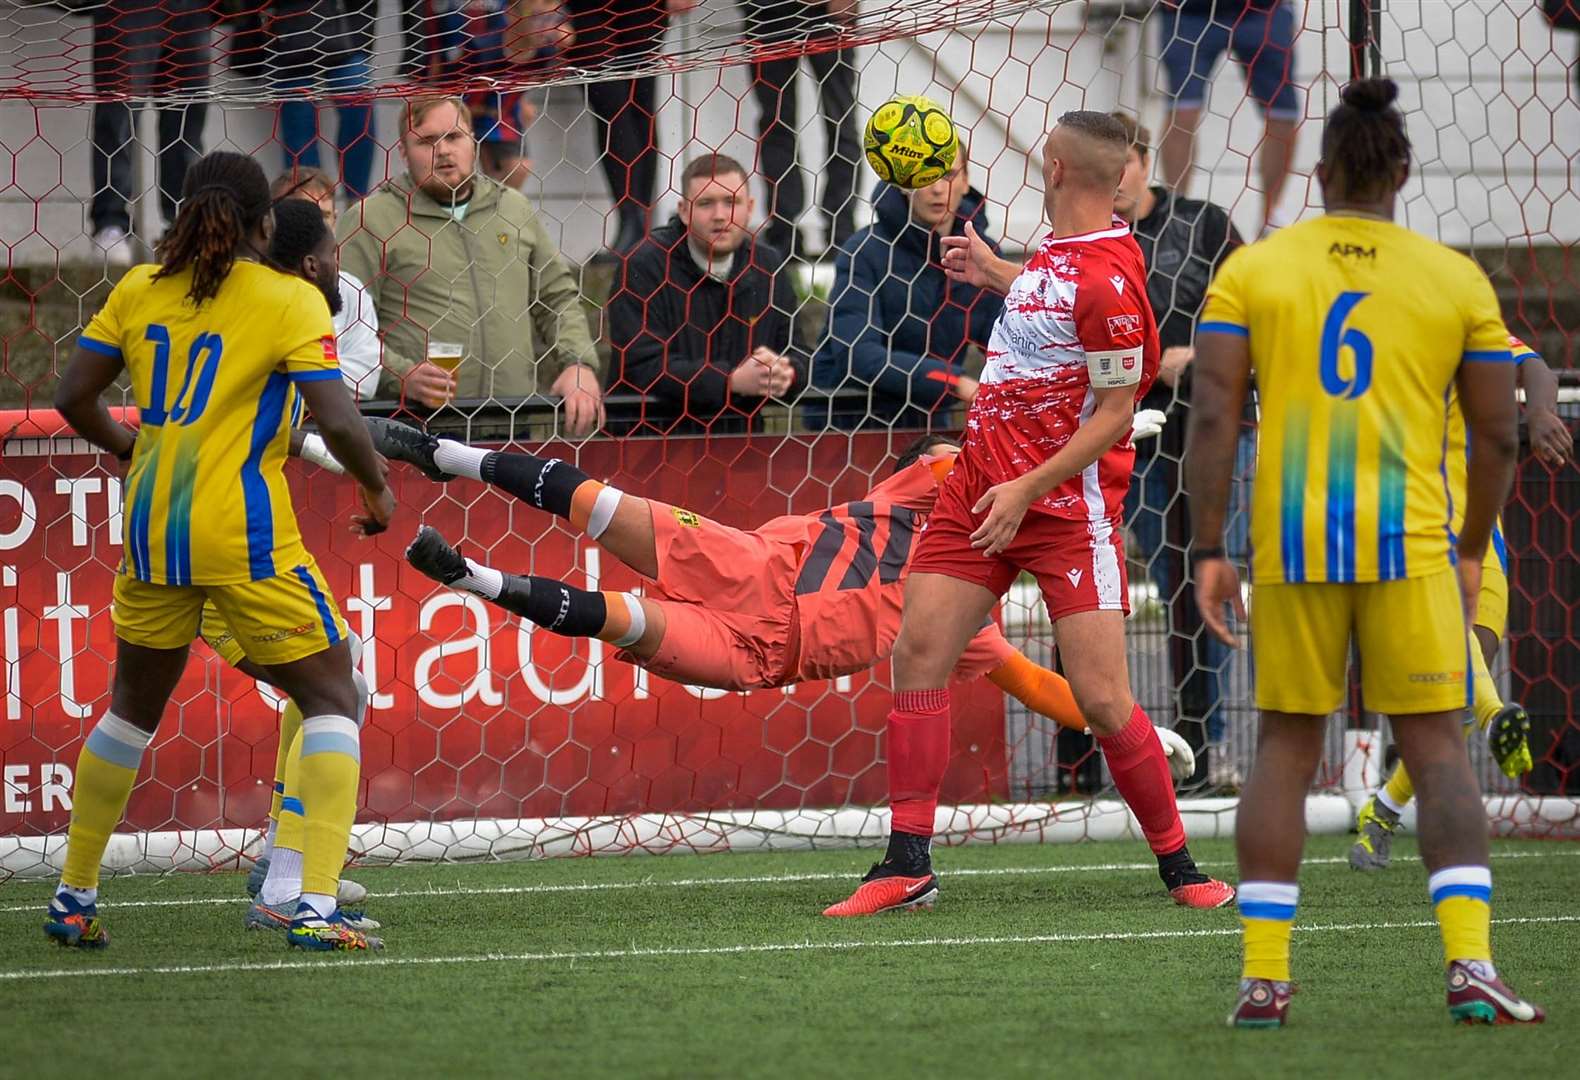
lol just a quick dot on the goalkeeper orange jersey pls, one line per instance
(806, 596)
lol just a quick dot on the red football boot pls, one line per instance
(886, 888)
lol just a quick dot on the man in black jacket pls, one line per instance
(700, 318)
(898, 328)
(1184, 241)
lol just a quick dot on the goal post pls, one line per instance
(488, 738)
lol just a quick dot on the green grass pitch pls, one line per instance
(1039, 961)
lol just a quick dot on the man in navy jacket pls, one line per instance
(898, 328)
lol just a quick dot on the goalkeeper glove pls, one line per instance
(1182, 759)
(314, 449)
(1147, 423)
(1508, 739)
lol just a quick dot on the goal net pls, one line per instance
(489, 738)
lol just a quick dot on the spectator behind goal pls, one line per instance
(1183, 241)
(703, 317)
(356, 320)
(452, 256)
(897, 326)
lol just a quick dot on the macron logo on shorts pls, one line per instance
(1075, 578)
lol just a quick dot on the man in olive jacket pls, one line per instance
(451, 256)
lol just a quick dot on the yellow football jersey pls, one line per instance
(1357, 328)
(205, 499)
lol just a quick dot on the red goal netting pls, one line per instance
(487, 738)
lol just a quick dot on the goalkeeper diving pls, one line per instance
(822, 599)
(1506, 726)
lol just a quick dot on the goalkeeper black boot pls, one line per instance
(402, 442)
(430, 553)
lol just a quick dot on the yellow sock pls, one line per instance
(331, 764)
(290, 727)
(291, 832)
(1486, 703)
(1267, 915)
(106, 769)
(1462, 899)
(1399, 787)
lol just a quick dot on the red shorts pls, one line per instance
(729, 603)
(1079, 565)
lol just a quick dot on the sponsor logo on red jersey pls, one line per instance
(1124, 325)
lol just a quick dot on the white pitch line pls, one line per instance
(696, 883)
(636, 952)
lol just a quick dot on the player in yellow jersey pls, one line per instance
(1358, 333)
(1507, 727)
(214, 342)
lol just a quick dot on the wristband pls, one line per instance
(314, 449)
(1202, 554)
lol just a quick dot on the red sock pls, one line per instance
(1141, 773)
(918, 756)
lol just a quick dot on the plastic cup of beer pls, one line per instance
(446, 354)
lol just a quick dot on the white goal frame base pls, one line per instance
(472, 840)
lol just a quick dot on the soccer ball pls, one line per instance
(911, 142)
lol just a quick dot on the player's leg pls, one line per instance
(1264, 44)
(1092, 647)
(154, 627)
(314, 668)
(1300, 641)
(1416, 673)
(278, 872)
(622, 524)
(1190, 48)
(623, 619)
(942, 613)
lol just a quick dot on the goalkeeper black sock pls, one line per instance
(1178, 868)
(909, 853)
(546, 483)
(617, 618)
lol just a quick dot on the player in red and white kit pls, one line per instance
(1039, 487)
(803, 597)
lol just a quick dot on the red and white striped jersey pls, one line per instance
(1076, 318)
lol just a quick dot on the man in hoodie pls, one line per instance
(703, 318)
(450, 255)
(898, 327)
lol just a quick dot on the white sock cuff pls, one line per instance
(485, 581)
(604, 506)
(638, 623)
(331, 735)
(124, 732)
(1472, 881)
(459, 459)
(1268, 899)
(1387, 800)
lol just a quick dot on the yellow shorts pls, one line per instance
(1410, 635)
(217, 633)
(1492, 604)
(278, 620)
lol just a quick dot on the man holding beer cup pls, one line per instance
(464, 273)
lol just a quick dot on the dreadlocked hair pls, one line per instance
(913, 453)
(223, 200)
(1364, 143)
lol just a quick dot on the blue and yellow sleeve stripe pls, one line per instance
(1221, 327)
(1488, 356)
(103, 348)
(314, 375)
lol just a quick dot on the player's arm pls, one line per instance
(1550, 436)
(1223, 372)
(1040, 690)
(79, 398)
(310, 446)
(1486, 396)
(347, 439)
